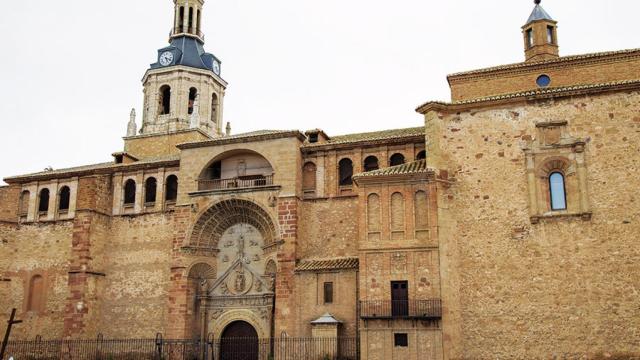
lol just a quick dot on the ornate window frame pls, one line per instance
(554, 150)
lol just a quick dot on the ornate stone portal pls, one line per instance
(241, 289)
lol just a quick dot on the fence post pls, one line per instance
(159, 345)
(98, 345)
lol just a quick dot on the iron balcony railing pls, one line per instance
(235, 183)
(399, 309)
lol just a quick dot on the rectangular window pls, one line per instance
(530, 38)
(400, 340)
(550, 35)
(328, 293)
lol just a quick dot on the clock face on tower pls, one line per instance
(166, 58)
(216, 67)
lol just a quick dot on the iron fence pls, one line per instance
(185, 349)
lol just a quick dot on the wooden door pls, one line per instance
(239, 341)
(399, 298)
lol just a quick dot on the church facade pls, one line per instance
(503, 227)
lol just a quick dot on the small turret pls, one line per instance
(540, 35)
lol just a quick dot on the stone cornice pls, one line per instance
(242, 139)
(539, 94)
(104, 169)
(186, 69)
(363, 143)
(143, 136)
(525, 67)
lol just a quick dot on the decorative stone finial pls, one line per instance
(228, 128)
(132, 127)
(537, 2)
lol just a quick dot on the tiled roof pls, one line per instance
(559, 60)
(244, 137)
(537, 92)
(416, 167)
(328, 264)
(372, 136)
(87, 168)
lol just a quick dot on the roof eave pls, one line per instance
(530, 96)
(21, 179)
(234, 140)
(428, 175)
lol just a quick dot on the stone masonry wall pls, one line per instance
(513, 289)
(30, 250)
(134, 298)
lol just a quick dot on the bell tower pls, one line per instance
(540, 35)
(184, 89)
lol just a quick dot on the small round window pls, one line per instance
(543, 81)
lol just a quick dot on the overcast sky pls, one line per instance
(70, 71)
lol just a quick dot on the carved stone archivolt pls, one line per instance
(212, 224)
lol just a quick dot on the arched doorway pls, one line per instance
(239, 341)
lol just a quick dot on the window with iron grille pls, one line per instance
(328, 293)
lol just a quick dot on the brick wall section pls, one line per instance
(285, 282)
(86, 263)
(329, 229)
(178, 324)
(500, 271)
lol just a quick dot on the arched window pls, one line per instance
(35, 297)
(198, 24)
(43, 204)
(150, 187)
(181, 20)
(421, 155)
(130, 192)
(190, 20)
(396, 159)
(164, 101)
(193, 93)
(346, 172)
(309, 177)
(24, 202)
(557, 191)
(371, 163)
(65, 199)
(171, 193)
(214, 110)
